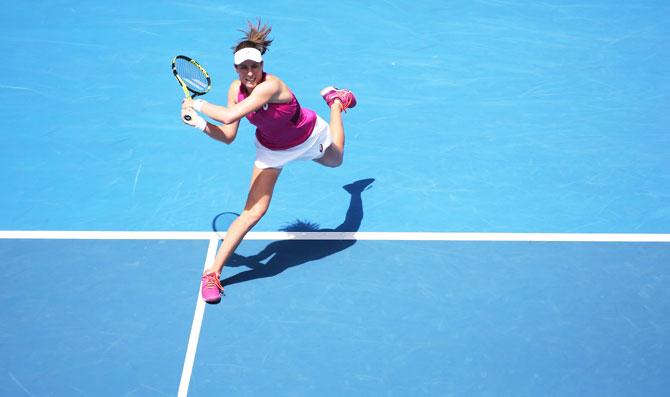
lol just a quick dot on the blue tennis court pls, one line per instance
(500, 225)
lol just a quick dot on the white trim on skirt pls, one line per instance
(312, 149)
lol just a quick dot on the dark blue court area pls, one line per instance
(429, 318)
(500, 225)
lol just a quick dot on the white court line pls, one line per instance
(383, 236)
(193, 338)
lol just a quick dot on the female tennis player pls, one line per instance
(285, 132)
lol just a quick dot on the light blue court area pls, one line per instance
(477, 116)
(333, 318)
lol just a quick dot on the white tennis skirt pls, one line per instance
(312, 149)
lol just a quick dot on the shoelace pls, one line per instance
(345, 104)
(213, 281)
(345, 100)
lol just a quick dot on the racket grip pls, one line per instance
(187, 118)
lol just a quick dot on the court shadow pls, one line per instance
(278, 256)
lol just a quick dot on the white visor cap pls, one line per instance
(247, 54)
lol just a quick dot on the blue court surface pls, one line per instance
(500, 225)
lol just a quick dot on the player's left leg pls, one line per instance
(338, 101)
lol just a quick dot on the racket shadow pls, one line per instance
(282, 255)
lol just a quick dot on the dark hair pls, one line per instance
(256, 36)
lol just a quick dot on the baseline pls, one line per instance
(389, 236)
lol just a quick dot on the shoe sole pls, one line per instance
(326, 90)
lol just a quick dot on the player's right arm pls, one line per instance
(226, 132)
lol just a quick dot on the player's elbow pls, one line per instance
(229, 136)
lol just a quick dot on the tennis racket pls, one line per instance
(192, 77)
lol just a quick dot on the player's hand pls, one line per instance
(194, 119)
(186, 103)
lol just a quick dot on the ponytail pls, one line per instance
(256, 36)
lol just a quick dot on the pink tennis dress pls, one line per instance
(281, 126)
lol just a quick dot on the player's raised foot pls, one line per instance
(211, 288)
(331, 94)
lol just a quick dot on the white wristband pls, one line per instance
(201, 124)
(197, 104)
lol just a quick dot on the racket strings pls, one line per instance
(192, 76)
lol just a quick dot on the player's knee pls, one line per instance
(333, 160)
(336, 162)
(333, 157)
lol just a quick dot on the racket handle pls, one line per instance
(187, 118)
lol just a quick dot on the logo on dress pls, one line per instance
(320, 148)
(265, 107)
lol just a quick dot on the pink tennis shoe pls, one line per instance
(346, 97)
(211, 288)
